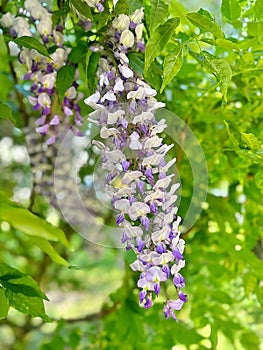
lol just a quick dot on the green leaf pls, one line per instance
(32, 306)
(172, 65)
(221, 69)
(134, 5)
(122, 7)
(222, 297)
(226, 43)
(92, 62)
(77, 53)
(258, 9)
(136, 62)
(22, 292)
(4, 304)
(250, 283)
(230, 9)
(28, 223)
(154, 76)
(259, 293)
(32, 43)
(47, 248)
(17, 281)
(6, 112)
(250, 340)
(158, 14)
(232, 138)
(65, 78)
(255, 29)
(158, 40)
(206, 24)
(214, 335)
(206, 13)
(82, 8)
(259, 179)
(251, 141)
(130, 256)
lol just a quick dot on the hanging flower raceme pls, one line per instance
(135, 157)
(36, 21)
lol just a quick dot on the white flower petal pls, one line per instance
(161, 235)
(130, 176)
(135, 144)
(114, 156)
(151, 142)
(122, 205)
(138, 209)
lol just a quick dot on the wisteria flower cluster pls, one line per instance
(134, 155)
(36, 21)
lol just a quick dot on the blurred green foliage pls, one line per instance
(209, 72)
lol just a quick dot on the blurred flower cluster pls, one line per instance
(35, 21)
(135, 157)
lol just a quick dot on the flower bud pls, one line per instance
(59, 57)
(44, 27)
(44, 100)
(127, 38)
(137, 16)
(13, 49)
(48, 80)
(122, 22)
(7, 20)
(138, 31)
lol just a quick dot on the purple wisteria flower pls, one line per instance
(42, 71)
(135, 154)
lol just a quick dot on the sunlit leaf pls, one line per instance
(214, 335)
(82, 8)
(4, 304)
(28, 223)
(230, 9)
(226, 43)
(259, 293)
(158, 40)
(255, 29)
(172, 65)
(47, 248)
(258, 9)
(250, 340)
(221, 69)
(206, 24)
(250, 283)
(251, 141)
(134, 5)
(158, 14)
